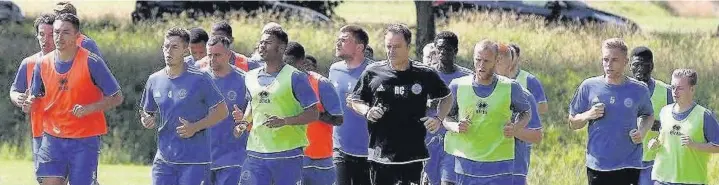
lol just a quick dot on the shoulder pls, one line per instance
(660, 83)
(377, 65)
(420, 67)
(636, 84)
(591, 81)
(338, 66)
(157, 75)
(94, 58)
(464, 70)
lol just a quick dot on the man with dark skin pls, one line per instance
(440, 166)
(642, 65)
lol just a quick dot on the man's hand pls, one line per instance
(27, 103)
(19, 98)
(458, 127)
(636, 136)
(597, 111)
(509, 130)
(147, 120)
(687, 141)
(186, 129)
(375, 113)
(274, 122)
(431, 123)
(81, 111)
(240, 128)
(237, 114)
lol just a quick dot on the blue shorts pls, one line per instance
(36, 143)
(519, 179)
(72, 159)
(277, 171)
(440, 166)
(225, 176)
(494, 180)
(164, 173)
(318, 171)
(645, 176)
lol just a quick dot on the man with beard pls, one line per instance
(642, 66)
(350, 139)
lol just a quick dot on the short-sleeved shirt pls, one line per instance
(520, 102)
(303, 93)
(20, 83)
(446, 78)
(90, 45)
(535, 87)
(711, 127)
(652, 84)
(609, 146)
(251, 64)
(522, 149)
(228, 150)
(403, 95)
(351, 137)
(99, 72)
(189, 60)
(190, 96)
(328, 97)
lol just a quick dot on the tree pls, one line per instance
(425, 25)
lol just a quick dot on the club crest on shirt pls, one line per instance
(231, 95)
(482, 107)
(416, 88)
(628, 102)
(182, 94)
(675, 130)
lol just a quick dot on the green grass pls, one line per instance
(560, 57)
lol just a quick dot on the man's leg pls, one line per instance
(193, 174)
(351, 170)
(83, 160)
(380, 174)
(449, 177)
(229, 175)
(163, 173)
(255, 172)
(432, 167)
(628, 176)
(286, 171)
(409, 174)
(52, 161)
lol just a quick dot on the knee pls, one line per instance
(52, 181)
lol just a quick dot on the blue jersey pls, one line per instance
(190, 95)
(100, 74)
(20, 84)
(609, 146)
(446, 78)
(352, 136)
(522, 149)
(91, 46)
(520, 102)
(535, 87)
(227, 150)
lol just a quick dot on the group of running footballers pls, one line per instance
(225, 118)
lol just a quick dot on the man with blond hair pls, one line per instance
(610, 105)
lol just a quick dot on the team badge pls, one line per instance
(182, 94)
(628, 102)
(231, 95)
(416, 88)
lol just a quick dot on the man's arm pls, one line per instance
(361, 94)
(579, 111)
(711, 135)
(214, 116)
(535, 87)
(308, 115)
(331, 103)
(214, 102)
(19, 86)
(532, 133)
(105, 81)
(304, 94)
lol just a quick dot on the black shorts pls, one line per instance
(628, 176)
(395, 174)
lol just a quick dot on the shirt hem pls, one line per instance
(351, 154)
(271, 158)
(485, 176)
(615, 169)
(223, 167)
(398, 163)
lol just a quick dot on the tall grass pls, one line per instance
(561, 57)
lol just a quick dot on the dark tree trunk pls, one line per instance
(425, 25)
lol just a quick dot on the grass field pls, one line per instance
(560, 57)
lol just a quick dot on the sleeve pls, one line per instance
(38, 88)
(534, 122)
(253, 64)
(580, 101)
(210, 93)
(535, 87)
(148, 99)
(520, 102)
(645, 103)
(248, 98)
(363, 89)
(102, 77)
(454, 112)
(302, 90)
(329, 98)
(711, 128)
(91, 46)
(20, 83)
(435, 86)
